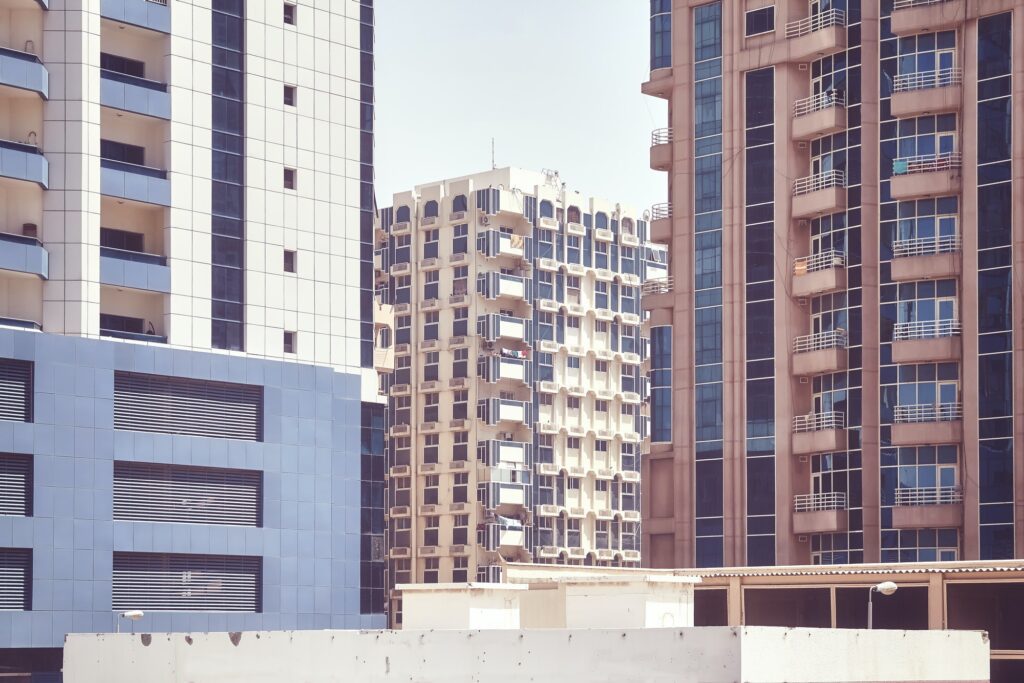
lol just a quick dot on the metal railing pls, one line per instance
(21, 323)
(929, 412)
(926, 164)
(133, 168)
(135, 256)
(816, 422)
(158, 2)
(833, 339)
(128, 79)
(20, 147)
(662, 285)
(920, 80)
(813, 502)
(134, 336)
(924, 246)
(663, 210)
(18, 54)
(661, 136)
(931, 495)
(815, 22)
(20, 239)
(821, 261)
(907, 4)
(819, 102)
(819, 181)
(926, 329)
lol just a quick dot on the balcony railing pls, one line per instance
(663, 210)
(926, 329)
(817, 422)
(833, 339)
(133, 168)
(816, 22)
(920, 80)
(926, 246)
(20, 147)
(18, 54)
(819, 102)
(819, 181)
(929, 412)
(907, 4)
(662, 285)
(926, 164)
(816, 262)
(931, 495)
(134, 336)
(135, 256)
(133, 80)
(20, 239)
(158, 2)
(815, 502)
(20, 323)
(661, 136)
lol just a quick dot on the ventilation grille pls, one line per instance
(186, 583)
(15, 390)
(193, 495)
(15, 484)
(15, 579)
(152, 403)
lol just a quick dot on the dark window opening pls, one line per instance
(290, 11)
(760, 21)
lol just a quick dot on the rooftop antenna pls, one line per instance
(493, 165)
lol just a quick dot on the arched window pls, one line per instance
(430, 209)
(627, 226)
(601, 220)
(547, 209)
(574, 214)
(459, 203)
(402, 215)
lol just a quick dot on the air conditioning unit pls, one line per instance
(802, 301)
(801, 539)
(484, 220)
(801, 145)
(805, 380)
(805, 458)
(802, 67)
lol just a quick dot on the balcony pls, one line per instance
(129, 328)
(927, 92)
(926, 258)
(934, 175)
(661, 149)
(20, 323)
(927, 423)
(504, 497)
(911, 17)
(504, 367)
(135, 182)
(501, 285)
(655, 294)
(134, 94)
(149, 14)
(819, 194)
(659, 84)
(661, 223)
(819, 513)
(816, 36)
(817, 354)
(22, 161)
(499, 453)
(495, 326)
(134, 270)
(494, 244)
(819, 273)
(930, 507)
(507, 534)
(926, 341)
(24, 71)
(21, 254)
(384, 359)
(819, 433)
(819, 115)
(494, 411)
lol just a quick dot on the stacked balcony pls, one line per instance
(153, 15)
(24, 160)
(911, 17)
(134, 270)
(926, 341)
(506, 367)
(134, 94)
(495, 326)
(928, 423)
(505, 535)
(135, 182)
(927, 92)
(661, 149)
(24, 254)
(819, 194)
(23, 71)
(661, 223)
(501, 453)
(817, 354)
(820, 513)
(823, 432)
(512, 499)
(926, 258)
(496, 244)
(496, 285)
(819, 115)
(932, 175)
(657, 294)
(495, 411)
(816, 36)
(928, 507)
(819, 273)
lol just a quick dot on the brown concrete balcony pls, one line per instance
(655, 294)
(819, 194)
(818, 115)
(661, 149)
(819, 513)
(817, 354)
(661, 223)
(928, 423)
(819, 273)
(910, 17)
(659, 84)
(935, 175)
(819, 433)
(927, 92)
(926, 258)
(816, 36)
(930, 507)
(926, 341)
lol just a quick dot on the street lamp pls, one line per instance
(885, 588)
(132, 614)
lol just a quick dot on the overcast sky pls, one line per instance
(556, 83)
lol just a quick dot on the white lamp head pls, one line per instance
(886, 588)
(133, 614)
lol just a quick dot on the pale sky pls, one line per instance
(556, 83)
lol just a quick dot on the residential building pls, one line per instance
(186, 319)
(517, 398)
(844, 328)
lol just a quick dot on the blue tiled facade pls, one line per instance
(310, 458)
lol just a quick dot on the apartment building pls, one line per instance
(844, 328)
(517, 397)
(186, 318)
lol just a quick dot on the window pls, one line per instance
(290, 11)
(123, 152)
(460, 492)
(430, 442)
(430, 244)
(460, 451)
(16, 389)
(760, 21)
(430, 407)
(431, 527)
(289, 178)
(547, 399)
(430, 486)
(460, 530)
(431, 566)
(572, 322)
(431, 288)
(460, 406)
(16, 485)
(601, 292)
(572, 403)
(460, 239)
(403, 410)
(182, 583)
(290, 95)
(430, 325)
(572, 362)
(122, 65)
(289, 260)
(661, 384)
(572, 289)
(460, 281)
(430, 366)
(122, 239)
(289, 342)
(460, 567)
(601, 406)
(430, 209)
(601, 327)
(167, 493)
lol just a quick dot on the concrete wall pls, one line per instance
(708, 655)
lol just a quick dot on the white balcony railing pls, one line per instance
(819, 102)
(814, 502)
(661, 136)
(921, 80)
(662, 285)
(926, 246)
(815, 22)
(817, 422)
(819, 181)
(929, 412)
(926, 164)
(926, 329)
(816, 262)
(907, 4)
(833, 339)
(663, 210)
(931, 495)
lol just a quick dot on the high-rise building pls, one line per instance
(844, 325)
(517, 398)
(186, 236)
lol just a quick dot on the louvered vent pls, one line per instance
(193, 495)
(186, 583)
(153, 403)
(15, 579)
(15, 484)
(15, 390)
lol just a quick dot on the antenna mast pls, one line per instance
(493, 165)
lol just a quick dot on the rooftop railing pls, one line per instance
(930, 495)
(925, 329)
(833, 339)
(929, 412)
(926, 246)
(819, 181)
(815, 22)
(816, 422)
(819, 102)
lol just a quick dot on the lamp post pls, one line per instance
(885, 588)
(132, 614)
